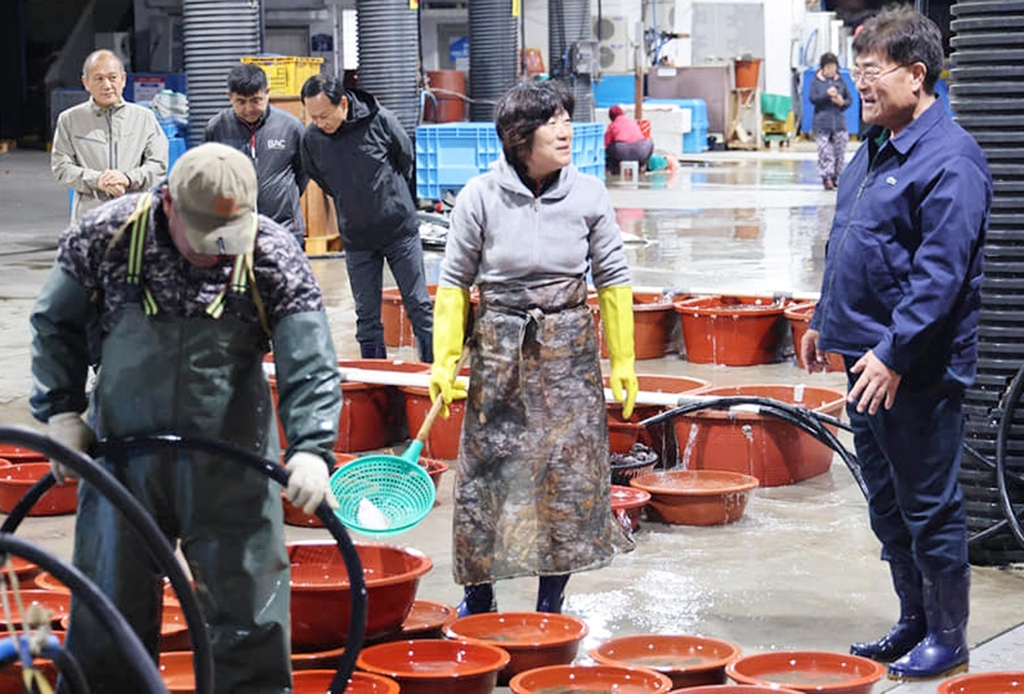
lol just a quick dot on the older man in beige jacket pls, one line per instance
(106, 147)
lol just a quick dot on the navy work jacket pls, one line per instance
(903, 264)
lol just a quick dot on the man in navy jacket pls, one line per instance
(900, 302)
(271, 137)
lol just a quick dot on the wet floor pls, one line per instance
(799, 570)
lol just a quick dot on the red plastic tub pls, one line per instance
(799, 317)
(15, 480)
(773, 451)
(654, 319)
(731, 330)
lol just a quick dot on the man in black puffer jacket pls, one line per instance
(357, 151)
(271, 137)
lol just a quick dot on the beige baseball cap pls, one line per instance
(214, 191)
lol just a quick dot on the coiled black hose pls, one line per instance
(808, 421)
(357, 585)
(160, 549)
(1010, 402)
(104, 611)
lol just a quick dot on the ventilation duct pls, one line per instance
(987, 94)
(389, 50)
(216, 34)
(492, 55)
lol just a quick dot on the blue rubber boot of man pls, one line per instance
(910, 628)
(477, 599)
(551, 593)
(943, 651)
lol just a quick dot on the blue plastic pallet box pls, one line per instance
(449, 154)
(697, 139)
(614, 89)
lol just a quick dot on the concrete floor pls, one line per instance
(800, 570)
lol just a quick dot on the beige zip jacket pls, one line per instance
(90, 139)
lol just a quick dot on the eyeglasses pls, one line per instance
(871, 74)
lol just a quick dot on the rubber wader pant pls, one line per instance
(193, 377)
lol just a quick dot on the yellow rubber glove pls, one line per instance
(617, 317)
(451, 306)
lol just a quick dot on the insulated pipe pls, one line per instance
(216, 34)
(492, 55)
(388, 39)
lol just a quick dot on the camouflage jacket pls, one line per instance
(284, 280)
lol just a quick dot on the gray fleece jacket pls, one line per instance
(501, 231)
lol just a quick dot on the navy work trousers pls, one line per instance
(910, 457)
(365, 276)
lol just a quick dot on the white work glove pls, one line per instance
(308, 482)
(68, 429)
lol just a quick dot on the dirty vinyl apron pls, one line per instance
(532, 487)
(193, 377)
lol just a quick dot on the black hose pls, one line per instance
(357, 585)
(1011, 401)
(148, 531)
(809, 421)
(71, 675)
(103, 610)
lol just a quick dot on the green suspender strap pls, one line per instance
(137, 224)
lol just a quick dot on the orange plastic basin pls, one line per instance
(17, 454)
(58, 603)
(177, 672)
(429, 666)
(532, 639)
(23, 568)
(427, 619)
(623, 434)
(17, 479)
(731, 330)
(733, 689)
(435, 468)
(984, 683)
(321, 602)
(317, 660)
(808, 671)
(173, 628)
(696, 497)
(319, 681)
(443, 440)
(773, 451)
(799, 317)
(687, 660)
(46, 581)
(397, 328)
(556, 679)
(628, 504)
(654, 319)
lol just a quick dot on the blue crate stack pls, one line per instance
(449, 154)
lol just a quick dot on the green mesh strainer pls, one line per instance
(386, 495)
(383, 494)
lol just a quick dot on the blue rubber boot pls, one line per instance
(551, 593)
(910, 628)
(943, 651)
(477, 599)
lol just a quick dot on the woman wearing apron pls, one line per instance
(533, 482)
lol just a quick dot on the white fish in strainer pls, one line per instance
(371, 517)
